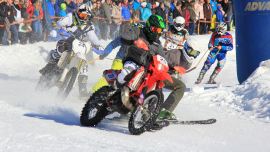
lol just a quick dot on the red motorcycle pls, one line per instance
(141, 95)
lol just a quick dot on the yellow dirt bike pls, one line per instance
(65, 73)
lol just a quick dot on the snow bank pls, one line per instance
(254, 94)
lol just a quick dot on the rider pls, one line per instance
(221, 41)
(79, 24)
(177, 33)
(125, 40)
(182, 56)
(151, 33)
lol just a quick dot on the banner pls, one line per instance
(252, 35)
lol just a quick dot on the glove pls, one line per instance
(180, 70)
(98, 51)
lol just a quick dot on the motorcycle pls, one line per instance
(141, 95)
(65, 73)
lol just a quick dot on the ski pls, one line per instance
(187, 122)
(194, 122)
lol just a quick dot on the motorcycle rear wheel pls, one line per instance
(143, 117)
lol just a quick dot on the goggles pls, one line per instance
(83, 16)
(156, 29)
(179, 25)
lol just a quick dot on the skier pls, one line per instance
(177, 34)
(221, 41)
(179, 50)
(79, 24)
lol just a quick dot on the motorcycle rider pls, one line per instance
(151, 33)
(79, 24)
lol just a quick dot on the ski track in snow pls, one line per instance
(39, 121)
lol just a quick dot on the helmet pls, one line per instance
(154, 27)
(221, 28)
(179, 23)
(84, 12)
(190, 46)
(156, 21)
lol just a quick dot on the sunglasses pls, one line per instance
(156, 29)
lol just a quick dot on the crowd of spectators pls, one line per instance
(30, 21)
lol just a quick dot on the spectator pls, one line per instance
(62, 11)
(173, 5)
(193, 18)
(214, 9)
(116, 14)
(145, 11)
(186, 13)
(2, 19)
(178, 10)
(96, 12)
(36, 24)
(162, 11)
(136, 5)
(11, 32)
(200, 15)
(220, 13)
(227, 7)
(207, 9)
(106, 14)
(126, 15)
(25, 29)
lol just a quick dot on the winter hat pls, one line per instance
(143, 4)
(157, 4)
(63, 6)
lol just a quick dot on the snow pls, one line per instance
(32, 121)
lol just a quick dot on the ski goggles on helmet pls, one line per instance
(83, 15)
(221, 30)
(179, 25)
(156, 29)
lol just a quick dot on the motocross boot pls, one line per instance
(166, 115)
(82, 82)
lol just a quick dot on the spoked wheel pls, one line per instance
(143, 117)
(95, 108)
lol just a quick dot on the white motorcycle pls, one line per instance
(65, 73)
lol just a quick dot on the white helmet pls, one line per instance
(84, 12)
(221, 28)
(179, 23)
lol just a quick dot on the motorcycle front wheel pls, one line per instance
(143, 117)
(68, 83)
(95, 108)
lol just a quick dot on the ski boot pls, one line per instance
(199, 80)
(211, 81)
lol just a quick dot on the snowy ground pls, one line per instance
(31, 121)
